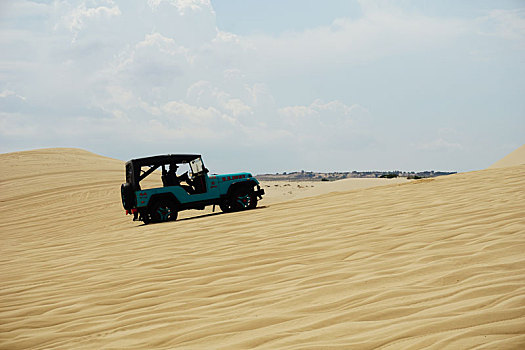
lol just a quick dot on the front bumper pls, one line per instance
(259, 193)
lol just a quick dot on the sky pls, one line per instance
(267, 86)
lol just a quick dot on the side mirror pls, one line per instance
(206, 170)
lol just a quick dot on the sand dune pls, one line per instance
(514, 158)
(435, 263)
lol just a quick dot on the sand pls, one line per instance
(436, 263)
(282, 191)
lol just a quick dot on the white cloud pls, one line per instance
(440, 144)
(87, 11)
(347, 41)
(154, 61)
(183, 113)
(183, 6)
(190, 22)
(329, 113)
(24, 9)
(447, 140)
(17, 126)
(326, 125)
(7, 93)
(506, 24)
(205, 94)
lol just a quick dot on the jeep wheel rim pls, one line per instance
(244, 201)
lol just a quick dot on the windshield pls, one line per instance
(196, 166)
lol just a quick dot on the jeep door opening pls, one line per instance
(191, 190)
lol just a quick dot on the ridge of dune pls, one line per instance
(516, 157)
(435, 263)
(53, 160)
(56, 153)
(42, 170)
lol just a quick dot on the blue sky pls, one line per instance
(267, 86)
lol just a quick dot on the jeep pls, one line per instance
(194, 189)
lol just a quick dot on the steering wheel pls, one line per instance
(186, 177)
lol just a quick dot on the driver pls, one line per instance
(171, 176)
(172, 179)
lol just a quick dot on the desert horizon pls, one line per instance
(383, 263)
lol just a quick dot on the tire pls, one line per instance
(162, 210)
(226, 207)
(146, 218)
(128, 196)
(240, 199)
(253, 201)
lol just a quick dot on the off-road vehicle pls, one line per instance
(194, 189)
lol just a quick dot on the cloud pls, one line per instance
(183, 6)
(87, 11)
(17, 126)
(346, 41)
(447, 140)
(327, 126)
(205, 94)
(440, 144)
(29, 11)
(190, 22)
(153, 62)
(505, 24)
(7, 93)
(331, 112)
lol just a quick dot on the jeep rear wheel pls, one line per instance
(226, 207)
(162, 211)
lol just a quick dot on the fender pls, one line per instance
(241, 184)
(167, 195)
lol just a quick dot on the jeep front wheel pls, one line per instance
(239, 200)
(162, 211)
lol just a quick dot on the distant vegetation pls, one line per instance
(321, 176)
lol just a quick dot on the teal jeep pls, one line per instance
(194, 189)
